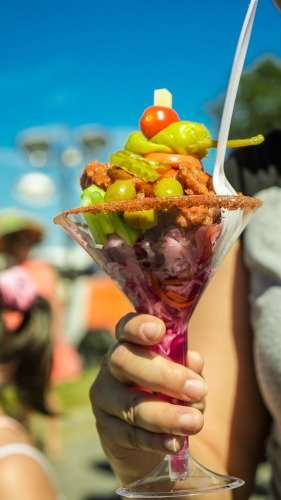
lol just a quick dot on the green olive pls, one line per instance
(122, 190)
(168, 187)
(141, 219)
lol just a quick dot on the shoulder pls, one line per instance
(22, 478)
(13, 432)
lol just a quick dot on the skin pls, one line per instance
(136, 430)
(130, 421)
(18, 252)
(21, 477)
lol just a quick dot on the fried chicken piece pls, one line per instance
(144, 187)
(117, 174)
(95, 173)
(193, 179)
(198, 215)
(169, 173)
(195, 185)
(210, 185)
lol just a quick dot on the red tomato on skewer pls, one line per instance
(156, 118)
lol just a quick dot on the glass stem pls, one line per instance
(178, 463)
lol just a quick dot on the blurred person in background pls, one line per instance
(19, 234)
(236, 329)
(25, 364)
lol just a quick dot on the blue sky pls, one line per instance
(65, 62)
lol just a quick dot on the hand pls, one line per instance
(136, 428)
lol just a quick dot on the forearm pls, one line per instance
(236, 422)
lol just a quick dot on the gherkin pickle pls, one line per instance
(136, 165)
(185, 137)
(139, 144)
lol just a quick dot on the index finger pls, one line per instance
(141, 329)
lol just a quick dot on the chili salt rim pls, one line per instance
(246, 203)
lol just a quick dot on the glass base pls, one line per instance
(159, 485)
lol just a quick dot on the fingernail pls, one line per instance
(195, 388)
(172, 444)
(150, 330)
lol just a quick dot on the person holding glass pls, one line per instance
(236, 330)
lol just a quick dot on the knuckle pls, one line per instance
(200, 363)
(118, 358)
(197, 421)
(161, 370)
(97, 389)
(130, 412)
(172, 377)
(94, 394)
(122, 324)
(196, 361)
(178, 376)
(200, 405)
(165, 419)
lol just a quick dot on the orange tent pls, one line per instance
(106, 304)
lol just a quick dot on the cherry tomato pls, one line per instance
(156, 118)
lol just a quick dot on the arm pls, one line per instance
(22, 478)
(236, 422)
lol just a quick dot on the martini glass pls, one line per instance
(164, 274)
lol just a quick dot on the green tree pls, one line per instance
(258, 104)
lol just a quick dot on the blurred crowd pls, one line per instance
(53, 325)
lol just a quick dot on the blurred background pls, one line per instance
(74, 80)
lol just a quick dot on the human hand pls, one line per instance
(136, 428)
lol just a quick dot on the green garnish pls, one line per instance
(141, 219)
(102, 225)
(127, 233)
(121, 190)
(139, 144)
(185, 137)
(136, 165)
(168, 187)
